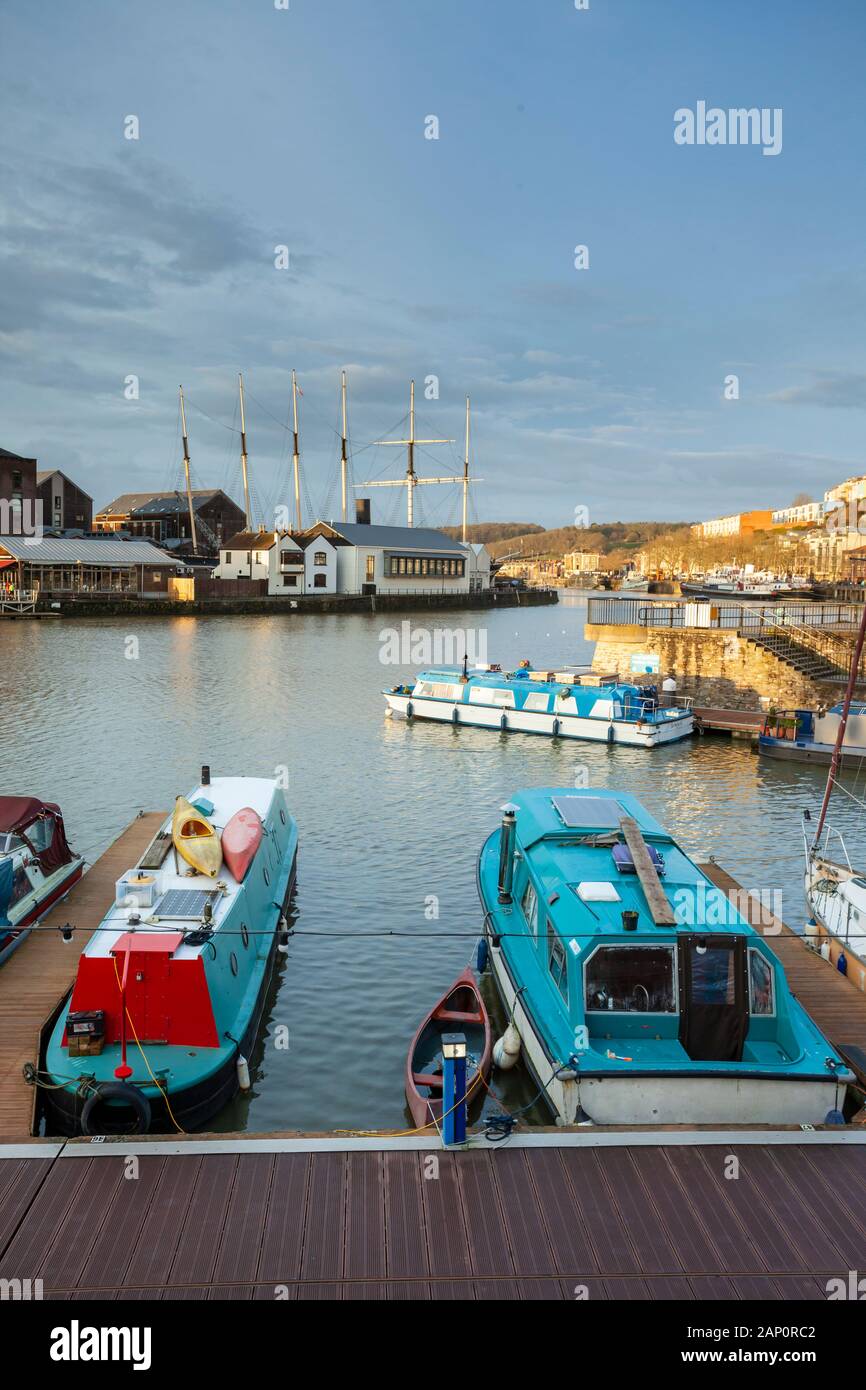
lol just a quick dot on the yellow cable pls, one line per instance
(163, 1093)
(407, 1133)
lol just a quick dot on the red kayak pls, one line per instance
(460, 1010)
(240, 841)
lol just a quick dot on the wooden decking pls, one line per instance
(562, 1217)
(38, 975)
(836, 1005)
(743, 723)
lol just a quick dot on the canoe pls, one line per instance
(195, 839)
(240, 841)
(460, 1010)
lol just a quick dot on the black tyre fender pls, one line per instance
(556, 728)
(503, 723)
(115, 1090)
(410, 709)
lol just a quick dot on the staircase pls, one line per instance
(807, 662)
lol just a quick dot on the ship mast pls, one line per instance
(411, 480)
(296, 456)
(843, 721)
(244, 454)
(187, 475)
(344, 462)
(466, 474)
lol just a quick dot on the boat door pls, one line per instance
(714, 1001)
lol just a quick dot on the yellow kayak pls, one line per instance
(195, 839)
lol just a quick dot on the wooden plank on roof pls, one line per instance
(660, 909)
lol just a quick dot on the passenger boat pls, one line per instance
(835, 889)
(37, 867)
(460, 1010)
(170, 988)
(561, 704)
(639, 992)
(809, 736)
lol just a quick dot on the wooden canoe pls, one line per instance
(460, 1010)
(240, 841)
(195, 839)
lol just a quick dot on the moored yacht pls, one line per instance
(37, 866)
(561, 704)
(170, 988)
(639, 992)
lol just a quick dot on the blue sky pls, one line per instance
(259, 127)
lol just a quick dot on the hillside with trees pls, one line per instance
(617, 541)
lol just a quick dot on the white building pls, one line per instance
(288, 564)
(401, 559)
(805, 514)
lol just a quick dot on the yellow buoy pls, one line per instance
(195, 839)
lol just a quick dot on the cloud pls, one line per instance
(831, 390)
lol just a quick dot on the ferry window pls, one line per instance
(558, 967)
(536, 701)
(529, 903)
(631, 979)
(761, 999)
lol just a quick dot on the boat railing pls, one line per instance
(829, 833)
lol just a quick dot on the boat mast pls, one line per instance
(411, 481)
(466, 473)
(840, 734)
(296, 457)
(244, 454)
(344, 462)
(186, 473)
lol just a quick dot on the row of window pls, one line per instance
(287, 557)
(640, 979)
(421, 565)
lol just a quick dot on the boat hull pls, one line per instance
(12, 937)
(644, 1098)
(631, 733)
(788, 750)
(191, 1106)
(426, 1110)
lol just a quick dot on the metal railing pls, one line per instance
(708, 614)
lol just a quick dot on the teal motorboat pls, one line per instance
(170, 988)
(639, 991)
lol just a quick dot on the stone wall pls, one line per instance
(718, 669)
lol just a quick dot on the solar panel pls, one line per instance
(588, 812)
(184, 904)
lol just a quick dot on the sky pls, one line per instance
(601, 388)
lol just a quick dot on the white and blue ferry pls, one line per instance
(638, 992)
(560, 704)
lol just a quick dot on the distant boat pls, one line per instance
(634, 583)
(170, 988)
(460, 1010)
(807, 736)
(560, 704)
(639, 992)
(37, 867)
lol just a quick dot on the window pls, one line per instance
(559, 966)
(630, 979)
(320, 558)
(529, 903)
(371, 568)
(402, 565)
(320, 581)
(761, 999)
(40, 833)
(291, 580)
(536, 701)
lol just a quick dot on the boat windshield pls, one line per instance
(631, 979)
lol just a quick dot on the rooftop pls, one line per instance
(396, 537)
(129, 502)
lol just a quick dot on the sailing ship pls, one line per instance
(561, 704)
(835, 890)
(37, 866)
(170, 988)
(639, 992)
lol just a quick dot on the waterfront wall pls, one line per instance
(718, 668)
(307, 603)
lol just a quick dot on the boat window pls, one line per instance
(761, 1000)
(490, 695)
(558, 967)
(529, 903)
(630, 979)
(536, 701)
(40, 833)
(21, 886)
(8, 843)
(602, 709)
(445, 692)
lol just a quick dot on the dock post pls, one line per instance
(454, 1088)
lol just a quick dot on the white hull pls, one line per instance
(840, 919)
(597, 730)
(635, 1099)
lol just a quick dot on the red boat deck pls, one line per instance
(569, 1216)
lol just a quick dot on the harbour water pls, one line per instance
(109, 717)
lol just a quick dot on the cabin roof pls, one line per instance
(89, 550)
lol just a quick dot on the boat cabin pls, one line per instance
(526, 690)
